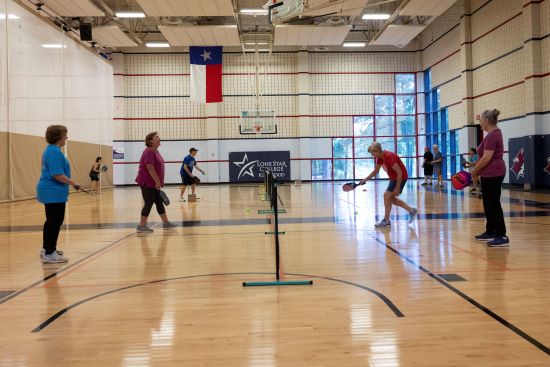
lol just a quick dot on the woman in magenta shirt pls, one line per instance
(492, 169)
(150, 178)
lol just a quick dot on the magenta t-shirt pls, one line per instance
(496, 166)
(150, 156)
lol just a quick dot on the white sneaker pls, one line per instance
(43, 252)
(54, 258)
(383, 223)
(412, 215)
(182, 200)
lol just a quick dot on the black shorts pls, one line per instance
(94, 176)
(186, 180)
(391, 186)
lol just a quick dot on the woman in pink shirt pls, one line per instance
(150, 178)
(492, 169)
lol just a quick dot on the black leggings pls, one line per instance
(150, 196)
(55, 214)
(491, 188)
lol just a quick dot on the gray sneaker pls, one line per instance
(168, 225)
(43, 252)
(383, 223)
(143, 229)
(54, 258)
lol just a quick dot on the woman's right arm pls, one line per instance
(66, 180)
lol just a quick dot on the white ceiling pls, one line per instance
(426, 7)
(73, 8)
(221, 35)
(309, 35)
(195, 8)
(398, 35)
(340, 7)
(112, 36)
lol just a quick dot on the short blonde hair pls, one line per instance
(149, 138)
(54, 133)
(375, 146)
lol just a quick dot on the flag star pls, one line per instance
(206, 55)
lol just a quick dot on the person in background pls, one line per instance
(427, 166)
(437, 164)
(52, 190)
(491, 169)
(397, 173)
(470, 163)
(186, 173)
(150, 179)
(94, 175)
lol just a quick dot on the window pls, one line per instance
(393, 125)
(321, 169)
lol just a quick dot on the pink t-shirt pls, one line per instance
(387, 162)
(150, 156)
(496, 166)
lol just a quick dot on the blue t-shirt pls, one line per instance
(48, 189)
(188, 161)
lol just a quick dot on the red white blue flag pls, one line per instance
(206, 74)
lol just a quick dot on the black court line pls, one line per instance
(464, 296)
(60, 313)
(21, 291)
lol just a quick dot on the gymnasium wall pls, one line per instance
(314, 95)
(40, 86)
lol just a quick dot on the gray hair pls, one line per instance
(435, 146)
(375, 145)
(491, 116)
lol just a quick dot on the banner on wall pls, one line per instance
(251, 166)
(118, 153)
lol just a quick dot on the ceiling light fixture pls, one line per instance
(157, 44)
(53, 45)
(10, 16)
(354, 44)
(254, 11)
(129, 14)
(375, 16)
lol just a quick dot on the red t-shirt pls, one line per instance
(496, 166)
(150, 156)
(388, 160)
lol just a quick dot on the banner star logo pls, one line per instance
(206, 55)
(246, 167)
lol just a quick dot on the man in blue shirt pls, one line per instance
(186, 172)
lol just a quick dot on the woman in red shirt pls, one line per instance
(492, 169)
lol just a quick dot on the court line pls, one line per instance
(60, 313)
(468, 299)
(46, 278)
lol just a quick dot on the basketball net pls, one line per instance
(258, 129)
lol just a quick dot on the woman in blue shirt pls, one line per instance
(53, 190)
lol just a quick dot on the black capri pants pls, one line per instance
(151, 195)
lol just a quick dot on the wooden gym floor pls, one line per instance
(424, 294)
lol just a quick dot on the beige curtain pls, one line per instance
(26, 155)
(4, 168)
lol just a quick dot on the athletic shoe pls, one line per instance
(168, 225)
(383, 223)
(412, 215)
(502, 241)
(430, 183)
(43, 252)
(424, 184)
(54, 258)
(485, 236)
(143, 229)
(182, 200)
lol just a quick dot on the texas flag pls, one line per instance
(206, 74)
